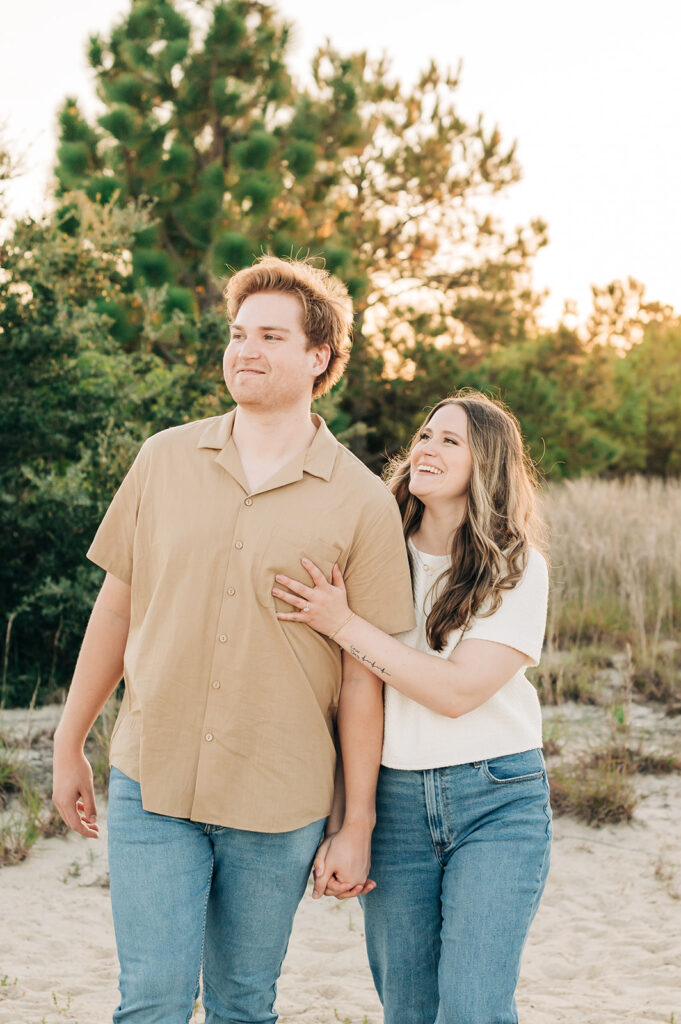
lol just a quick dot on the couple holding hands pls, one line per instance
(319, 669)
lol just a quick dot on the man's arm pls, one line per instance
(98, 671)
(345, 866)
(337, 812)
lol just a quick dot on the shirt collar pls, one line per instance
(321, 455)
(217, 431)
(317, 460)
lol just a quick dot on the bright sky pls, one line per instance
(591, 90)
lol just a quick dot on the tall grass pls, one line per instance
(615, 563)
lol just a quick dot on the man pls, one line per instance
(223, 752)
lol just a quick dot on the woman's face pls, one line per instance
(441, 460)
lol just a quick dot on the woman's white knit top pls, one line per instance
(510, 721)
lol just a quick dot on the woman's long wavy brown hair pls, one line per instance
(490, 548)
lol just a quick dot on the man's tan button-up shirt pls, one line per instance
(228, 713)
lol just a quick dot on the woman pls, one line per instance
(460, 851)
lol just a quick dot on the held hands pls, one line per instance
(324, 606)
(341, 858)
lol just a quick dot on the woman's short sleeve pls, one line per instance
(520, 620)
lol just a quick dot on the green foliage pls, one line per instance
(300, 156)
(121, 122)
(231, 251)
(179, 160)
(103, 187)
(151, 266)
(649, 391)
(74, 158)
(75, 409)
(255, 151)
(558, 388)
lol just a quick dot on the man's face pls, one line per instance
(267, 364)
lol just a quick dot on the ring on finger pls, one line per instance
(306, 607)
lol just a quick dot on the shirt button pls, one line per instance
(248, 501)
(215, 684)
(209, 737)
(223, 638)
(231, 591)
(239, 544)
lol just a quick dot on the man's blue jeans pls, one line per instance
(460, 857)
(187, 895)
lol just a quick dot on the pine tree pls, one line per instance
(386, 184)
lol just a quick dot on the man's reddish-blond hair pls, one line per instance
(326, 306)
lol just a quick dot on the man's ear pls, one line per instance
(322, 355)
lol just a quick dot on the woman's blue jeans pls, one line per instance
(460, 857)
(187, 895)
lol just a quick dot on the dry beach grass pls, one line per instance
(616, 563)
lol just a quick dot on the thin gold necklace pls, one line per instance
(429, 570)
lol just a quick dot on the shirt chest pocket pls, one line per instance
(281, 553)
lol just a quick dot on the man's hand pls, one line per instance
(342, 863)
(73, 791)
(98, 670)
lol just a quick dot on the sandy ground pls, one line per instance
(605, 947)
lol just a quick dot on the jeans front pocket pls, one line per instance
(524, 767)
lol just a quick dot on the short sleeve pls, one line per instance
(377, 574)
(520, 620)
(113, 544)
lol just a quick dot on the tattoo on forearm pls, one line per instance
(367, 661)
